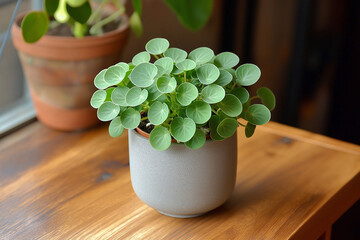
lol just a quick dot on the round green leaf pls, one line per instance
(143, 74)
(158, 113)
(197, 141)
(163, 98)
(258, 114)
(153, 92)
(192, 14)
(80, 13)
(199, 111)
(196, 82)
(247, 74)
(118, 96)
(165, 65)
(241, 93)
(176, 71)
(50, 6)
(99, 80)
(116, 129)
(166, 84)
(108, 111)
(213, 94)
(227, 127)
(160, 138)
(186, 65)
(224, 79)
(249, 129)
(182, 129)
(125, 66)
(201, 55)
(34, 26)
(213, 124)
(267, 97)
(136, 24)
(231, 105)
(136, 96)
(141, 57)
(207, 73)
(176, 54)
(130, 118)
(231, 71)
(186, 93)
(226, 60)
(98, 98)
(114, 75)
(157, 46)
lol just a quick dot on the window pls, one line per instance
(15, 103)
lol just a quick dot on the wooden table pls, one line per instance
(291, 184)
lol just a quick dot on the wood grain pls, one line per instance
(291, 184)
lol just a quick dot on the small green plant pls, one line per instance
(184, 96)
(79, 15)
(81, 18)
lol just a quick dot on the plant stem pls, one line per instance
(185, 76)
(143, 119)
(241, 124)
(94, 29)
(166, 124)
(96, 14)
(156, 56)
(213, 110)
(233, 86)
(252, 98)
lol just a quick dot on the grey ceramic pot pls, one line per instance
(181, 182)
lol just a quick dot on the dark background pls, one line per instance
(308, 51)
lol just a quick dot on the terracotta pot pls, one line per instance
(181, 182)
(60, 72)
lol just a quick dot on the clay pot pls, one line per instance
(181, 182)
(60, 72)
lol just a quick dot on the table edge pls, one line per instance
(310, 137)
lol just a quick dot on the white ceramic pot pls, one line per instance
(181, 182)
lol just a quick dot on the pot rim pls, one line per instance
(64, 48)
(124, 25)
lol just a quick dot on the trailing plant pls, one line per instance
(185, 97)
(83, 20)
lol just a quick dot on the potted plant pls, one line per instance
(182, 112)
(62, 47)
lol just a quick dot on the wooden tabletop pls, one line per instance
(291, 184)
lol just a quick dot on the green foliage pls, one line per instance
(192, 14)
(197, 141)
(199, 111)
(143, 74)
(157, 46)
(34, 26)
(182, 129)
(116, 129)
(247, 74)
(79, 15)
(183, 98)
(160, 138)
(176, 54)
(50, 6)
(226, 60)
